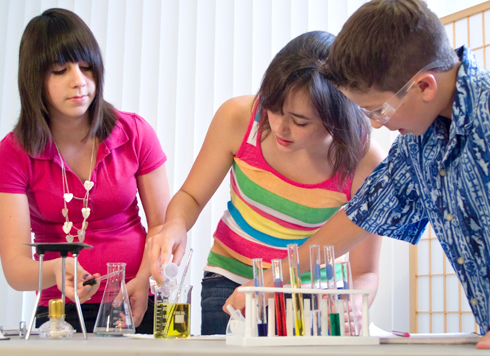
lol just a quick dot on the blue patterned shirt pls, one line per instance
(442, 176)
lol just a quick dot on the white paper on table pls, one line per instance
(386, 337)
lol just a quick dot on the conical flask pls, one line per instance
(114, 317)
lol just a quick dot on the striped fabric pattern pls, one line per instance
(267, 211)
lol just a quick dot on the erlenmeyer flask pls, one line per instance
(114, 317)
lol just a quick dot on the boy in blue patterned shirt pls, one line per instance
(394, 60)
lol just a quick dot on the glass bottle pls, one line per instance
(114, 317)
(56, 327)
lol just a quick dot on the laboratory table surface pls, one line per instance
(95, 346)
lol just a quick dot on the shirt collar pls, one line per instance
(467, 92)
(117, 138)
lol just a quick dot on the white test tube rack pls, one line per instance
(250, 337)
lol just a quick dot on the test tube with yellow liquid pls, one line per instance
(298, 317)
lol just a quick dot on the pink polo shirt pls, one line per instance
(114, 230)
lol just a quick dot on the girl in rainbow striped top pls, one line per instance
(298, 151)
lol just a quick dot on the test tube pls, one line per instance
(293, 259)
(316, 283)
(258, 274)
(279, 298)
(347, 283)
(332, 284)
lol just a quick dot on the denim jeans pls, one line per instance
(90, 311)
(216, 289)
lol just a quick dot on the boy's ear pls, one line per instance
(427, 85)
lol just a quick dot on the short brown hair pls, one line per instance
(384, 43)
(298, 66)
(56, 37)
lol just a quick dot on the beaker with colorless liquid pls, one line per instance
(114, 317)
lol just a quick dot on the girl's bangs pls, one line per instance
(70, 50)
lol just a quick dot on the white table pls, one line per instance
(123, 346)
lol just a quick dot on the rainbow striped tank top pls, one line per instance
(267, 211)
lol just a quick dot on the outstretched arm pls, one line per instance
(222, 141)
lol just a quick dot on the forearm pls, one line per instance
(339, 231)
(22, 273)
(365, 281)
(183, 210)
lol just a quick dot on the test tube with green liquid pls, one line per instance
(332, 284)
(299, 321)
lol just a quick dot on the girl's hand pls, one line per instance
(171, 240)
(237, 299)
(138, 297)
(84, 292)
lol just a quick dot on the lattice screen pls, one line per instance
(438, 303)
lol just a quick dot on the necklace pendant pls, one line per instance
(81, 235)
(67, 226)
(88, 185)
(64, 211)
(86, 212)
(68, 197)
(69, 238)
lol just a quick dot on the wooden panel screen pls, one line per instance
(437, 302)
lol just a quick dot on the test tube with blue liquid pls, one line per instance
(316, 283)
(294, 274)
(279, 304)
(258, 274)
(332, 284)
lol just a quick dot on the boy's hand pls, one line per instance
(484, 342)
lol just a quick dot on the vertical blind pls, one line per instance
(174, 62)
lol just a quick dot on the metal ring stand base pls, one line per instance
(63, 248)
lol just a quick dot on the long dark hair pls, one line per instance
(56, 37)
(299, 65)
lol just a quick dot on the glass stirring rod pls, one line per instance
(93, 281)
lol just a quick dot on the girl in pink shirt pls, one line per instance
(70, 171)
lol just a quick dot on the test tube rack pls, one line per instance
(250, 337)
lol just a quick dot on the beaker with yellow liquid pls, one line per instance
(172, 320)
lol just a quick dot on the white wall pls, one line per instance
(174, 62)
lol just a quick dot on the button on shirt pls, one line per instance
(442, 176)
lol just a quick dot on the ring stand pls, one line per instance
(63, 248)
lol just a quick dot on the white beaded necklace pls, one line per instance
(67, 197)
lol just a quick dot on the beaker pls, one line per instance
(114, 317)
(172, 314)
